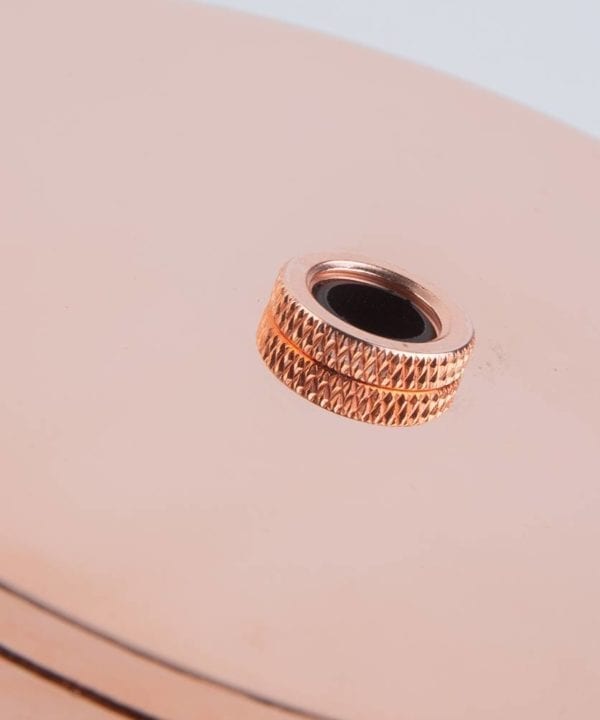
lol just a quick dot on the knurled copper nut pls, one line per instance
(364, 340)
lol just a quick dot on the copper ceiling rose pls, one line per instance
(181, 536)
(363, 340)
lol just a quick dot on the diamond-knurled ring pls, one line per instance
(363, 340)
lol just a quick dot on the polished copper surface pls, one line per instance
(160, 161)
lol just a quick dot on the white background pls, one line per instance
(543, 53)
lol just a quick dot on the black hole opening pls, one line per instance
(375, 310)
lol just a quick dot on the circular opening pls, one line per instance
(377, 310)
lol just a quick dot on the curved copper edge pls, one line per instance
(118, 676)
(28, 695)
(344, 395)
(359, 360)
(82, 692)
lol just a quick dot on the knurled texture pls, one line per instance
(342, 394)
(357, 359)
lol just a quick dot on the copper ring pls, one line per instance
(344, 366)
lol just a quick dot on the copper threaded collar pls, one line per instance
(363, 340)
